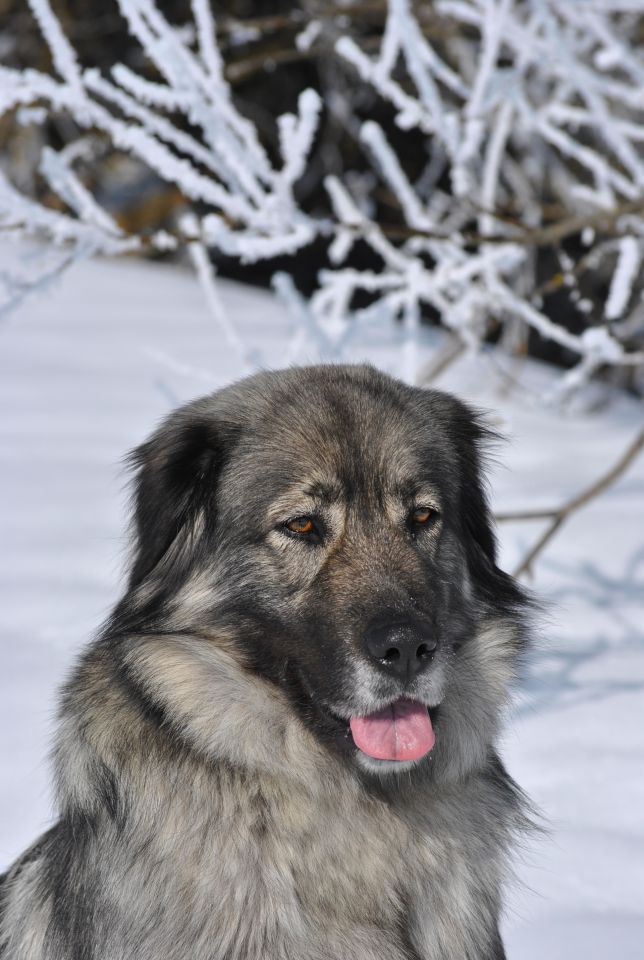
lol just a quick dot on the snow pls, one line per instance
(88, 369)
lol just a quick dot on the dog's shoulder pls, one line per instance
(25, 897)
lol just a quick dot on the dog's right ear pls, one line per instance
(175, 479)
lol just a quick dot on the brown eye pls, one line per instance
(423, 516)
(308, 529)
(301, 525)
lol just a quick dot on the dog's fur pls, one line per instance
(212, 804)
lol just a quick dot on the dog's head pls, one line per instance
(332, 524)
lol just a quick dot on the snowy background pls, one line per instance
(85, 373)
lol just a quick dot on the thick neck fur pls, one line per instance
(254, 843)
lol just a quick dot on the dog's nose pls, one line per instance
(402, 648)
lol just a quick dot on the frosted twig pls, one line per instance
(206, 274)
(628, 262)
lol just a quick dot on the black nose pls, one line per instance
(402, 648)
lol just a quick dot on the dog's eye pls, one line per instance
(304, 527)
(301, 525)
(423, 517)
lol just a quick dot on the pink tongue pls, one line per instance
(402, 731)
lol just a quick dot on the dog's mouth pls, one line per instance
(402, 731)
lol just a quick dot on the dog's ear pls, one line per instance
(473, 440)
(468, 436)
(175, 479)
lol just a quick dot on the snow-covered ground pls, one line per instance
(87, 370)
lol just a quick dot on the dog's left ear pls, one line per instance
(473, 439)
(468, 437)
(175, 487)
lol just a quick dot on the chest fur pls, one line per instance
(279, 873)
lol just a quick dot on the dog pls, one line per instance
(281, 745)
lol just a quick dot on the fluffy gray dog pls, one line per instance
(281, 747)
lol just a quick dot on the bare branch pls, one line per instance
(559, 516)
(543, 236)
(519, 515)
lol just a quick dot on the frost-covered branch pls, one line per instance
(246, 201)
(503, 112)
(503, 99)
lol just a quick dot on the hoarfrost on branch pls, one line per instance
(516, 101)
